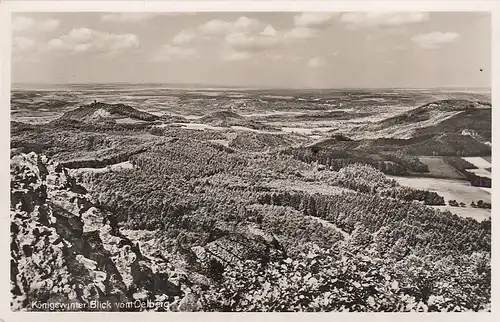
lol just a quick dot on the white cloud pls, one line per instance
(123, 17)
(268, 31)
(184, 37)
(169, 52)
(316, 62)
(382, 19)
(21, 23)
(135, 17)
(244, 24)
(21, 44)
(245, 37)
(301, 33)
(240, 41)
(435, 39)
(314, 19)
(49, 25)
(85, 40)
(215, 27)
(241, 25)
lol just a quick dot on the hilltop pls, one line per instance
(98, 111)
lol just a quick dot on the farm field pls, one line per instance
(440, 169)
(450, 189)
(483, 166)
(468, 212)
(479, 162)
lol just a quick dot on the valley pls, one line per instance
(253, 200)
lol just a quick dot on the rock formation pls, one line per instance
(65, 250)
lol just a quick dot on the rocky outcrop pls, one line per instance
(69, 255)
(103, 162)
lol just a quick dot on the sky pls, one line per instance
(255, 49)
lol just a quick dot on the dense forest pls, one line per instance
(245, 221)
(387, 233)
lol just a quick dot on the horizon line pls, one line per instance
(242, 87)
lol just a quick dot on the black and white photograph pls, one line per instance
(250, 161)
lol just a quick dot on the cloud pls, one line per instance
(233, 55)
(253, 43)
(49, 25)
(301, 33)
(244, 24)
(268, 31)
(215, 27)
(246, 37)
(315, 19)
(127, 17)
(136, 17)
(169, 52)
(243, 36)
(21, 23)
(85, 40)
(219, 27)
(435, 39)
(22, 44)
(382, 19)
(184, 37)
(316, 62)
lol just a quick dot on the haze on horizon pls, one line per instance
(267, 50)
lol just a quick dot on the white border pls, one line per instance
(7, 7)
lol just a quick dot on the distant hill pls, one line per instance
(389, 155)
(478, 121)
(448, 116)
(426, 111)
(445, 144)
(227, 118)
(111, 112)
(449, 144)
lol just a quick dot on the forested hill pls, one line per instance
(100, 110)
(444, 116)
(197, 227)
(424, 112)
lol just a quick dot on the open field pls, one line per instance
(440, 169)
(479, 162)
(482, 164)
(459, 190)
(450, 189)
(468, 212)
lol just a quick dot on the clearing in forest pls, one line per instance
(440, 169)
